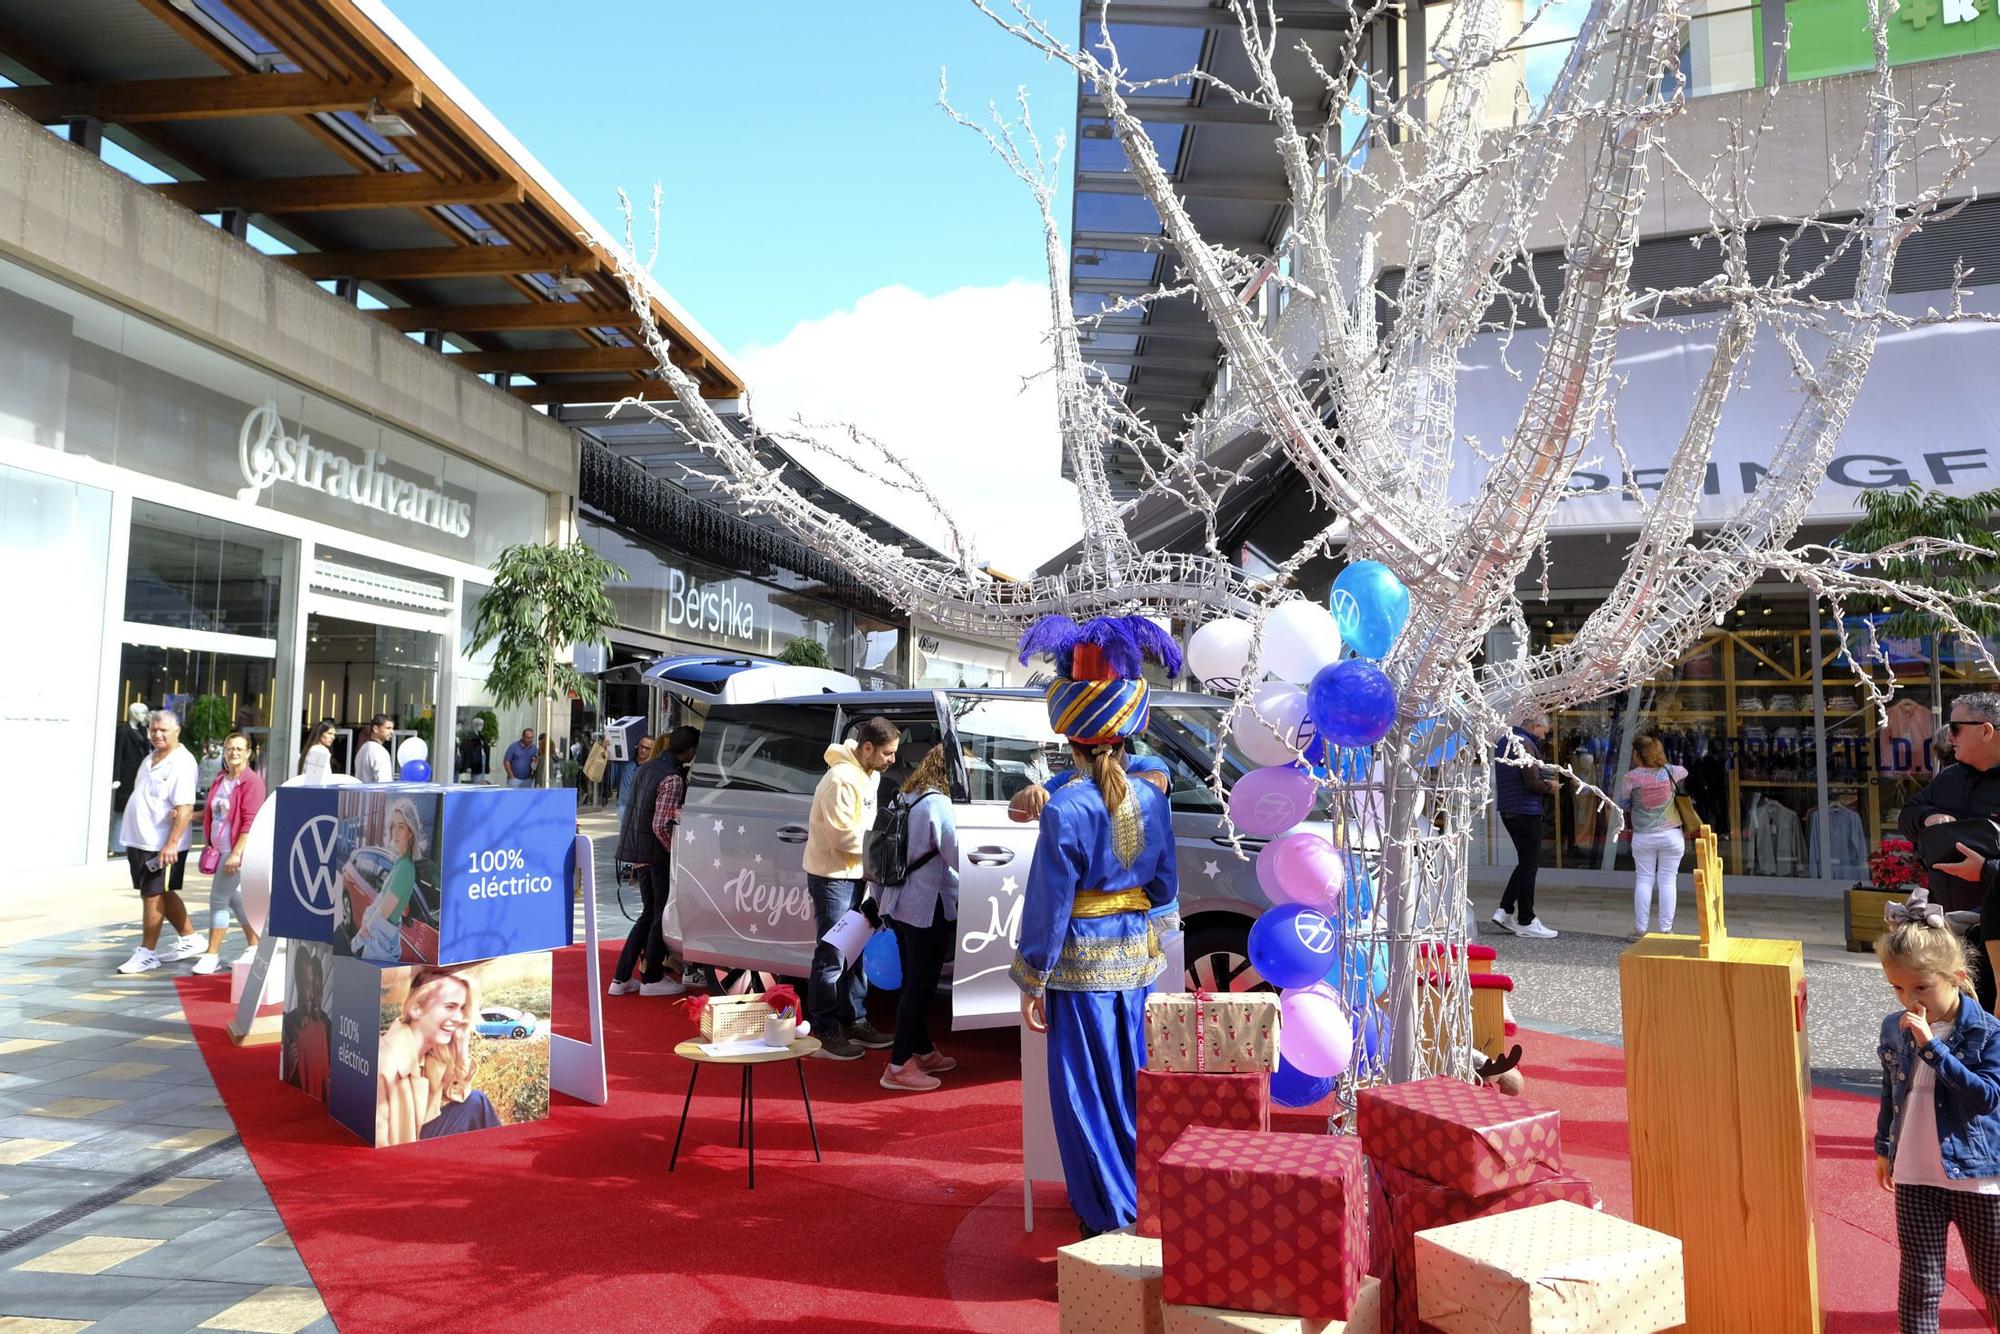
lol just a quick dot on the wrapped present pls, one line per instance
(1402, 1204)
(1109, 1284)
(1170, 1102)
(1365, 1318)
(1198, 1033)
(1553, 1268)
(1475, 1140)
(1251, 1221)
(731, 1018)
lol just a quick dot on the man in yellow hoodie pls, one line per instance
(843, 811)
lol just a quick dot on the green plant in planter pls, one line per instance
(208, 720)
(804, 652)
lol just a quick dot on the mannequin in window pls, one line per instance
(129, 749)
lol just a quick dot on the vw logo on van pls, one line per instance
(312, 864)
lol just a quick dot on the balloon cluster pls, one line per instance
(414, 757)
(1316, 719)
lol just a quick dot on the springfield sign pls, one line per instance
(269, 456)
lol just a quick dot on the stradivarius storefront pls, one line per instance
(183, 529)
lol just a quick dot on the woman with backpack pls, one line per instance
(923, 911)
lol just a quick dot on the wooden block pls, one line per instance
(1718, 1097)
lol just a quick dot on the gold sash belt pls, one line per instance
(1106, 902)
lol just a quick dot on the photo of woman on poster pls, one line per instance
(379, 938)
(424, 1067)
(305, 1043)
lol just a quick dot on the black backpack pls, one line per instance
(885, 853)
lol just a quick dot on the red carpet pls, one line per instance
(913, 1222)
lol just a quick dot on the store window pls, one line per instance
(357, 669)
(212, 693)
(192, 572)
(876, 653)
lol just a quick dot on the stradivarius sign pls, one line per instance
(269, 455)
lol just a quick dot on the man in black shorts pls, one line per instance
(159, 815)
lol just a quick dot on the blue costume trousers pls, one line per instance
(1097, 1043)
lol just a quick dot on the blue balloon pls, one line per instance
(882, 961)
(1368, 1042)
(1352, 703)
(1440, 750)
(1360, 888)
(416, 771)
(1292, 945)
(1371, 606)
(1364, 981)
(1292, 1087)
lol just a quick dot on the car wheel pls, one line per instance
(1218, 957)
(520, 1032)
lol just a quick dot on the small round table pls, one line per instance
(746, 1106)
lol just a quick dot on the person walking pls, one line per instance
(843, 811)
(1102, 885)
(156, 828)
(1967, 789)
(923, 912)
(372, 763)
(646, 843)
(1658, 841)
(1520, 795)
(316, 760)
(520, 759)
(225, 827)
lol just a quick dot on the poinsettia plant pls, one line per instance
(1895, 865)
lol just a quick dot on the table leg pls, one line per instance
(809, 1109)
(685, 1102)
(750, 1108)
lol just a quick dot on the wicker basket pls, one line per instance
(733, 1018)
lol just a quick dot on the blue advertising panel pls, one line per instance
(508, 870)
(304, 862)
(354, 1003)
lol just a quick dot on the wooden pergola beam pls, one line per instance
(211, 97)
(556, 360)
(444, 261)
(610, 391)
(502, 318)
(310, 194)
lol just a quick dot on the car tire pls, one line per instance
(520, 1032)
(1218, 957)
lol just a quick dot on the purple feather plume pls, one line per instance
(1054, 635)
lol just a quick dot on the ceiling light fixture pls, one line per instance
(386, 123)
(570, 283)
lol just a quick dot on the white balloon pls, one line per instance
(413, 748)
(1300, 637)
(1282, 709)
(1219, 651)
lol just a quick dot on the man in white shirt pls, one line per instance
(156, 829)
(372, 763)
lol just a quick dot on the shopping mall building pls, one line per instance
(1785, 758)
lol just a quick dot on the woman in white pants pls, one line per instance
(1647, 791)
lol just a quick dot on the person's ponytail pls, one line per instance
(1107, 770)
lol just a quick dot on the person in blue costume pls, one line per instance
(1101, 888)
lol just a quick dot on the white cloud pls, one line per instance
(939, 379)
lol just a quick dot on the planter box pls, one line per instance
(1865, 922)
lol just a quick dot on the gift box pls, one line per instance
(1170, 1102)
(1476, 1140)
(1199, 1033)
(1553, 1268)
(741, 1018)
(1109, 1284)
(1365, 1318)
(1251, 1221)
(1402, 1204)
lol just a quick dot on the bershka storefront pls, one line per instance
(185, 530)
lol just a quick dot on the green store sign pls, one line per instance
(1832, 36)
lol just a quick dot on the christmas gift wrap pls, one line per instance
(1252, 1221)
(1555, 1268)
(1109, 1284)
(1170, 1102)
(1476, 1140)
(1402, 1204)
(1365, 1318)
(1198, 1033)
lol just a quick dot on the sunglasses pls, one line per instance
(1955, 723)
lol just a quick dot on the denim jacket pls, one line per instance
(1968, 1089)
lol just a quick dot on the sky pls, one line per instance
(861, 258)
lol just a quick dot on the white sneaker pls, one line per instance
(1500, 920)
(628, 987)
(666, 986)
(207, 964)
(186, 947)
(143, 960)
(1536, 930)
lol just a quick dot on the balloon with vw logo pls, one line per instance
(1293, 945)
(1218, 653)
(1371, 606)
(1268, 801)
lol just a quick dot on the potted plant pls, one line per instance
(1893, 871)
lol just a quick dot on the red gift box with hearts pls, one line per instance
(1171, 1102)
(1252, 1221)
(1402, 1204)
(1475, 1140)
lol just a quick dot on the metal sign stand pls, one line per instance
(577, 1067)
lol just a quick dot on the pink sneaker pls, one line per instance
(906, 1078)
(936, 1063)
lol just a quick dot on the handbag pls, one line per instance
(1684, 807)
(211, 859)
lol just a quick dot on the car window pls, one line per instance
(495, 1017)
(919, 726)
(1187, 786)
(1008, 745)
(764, 747)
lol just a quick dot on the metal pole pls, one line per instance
(1825, 839)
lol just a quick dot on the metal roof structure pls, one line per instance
(331, 129)
(1220, 155)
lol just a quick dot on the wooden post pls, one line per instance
(1719, 1100)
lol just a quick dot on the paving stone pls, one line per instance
(156, 1221)
(178, 1306)
(91, 1254)
(275, 1310)
(27, 1293)
(197, 1249)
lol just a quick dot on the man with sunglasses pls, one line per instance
(1967, 789)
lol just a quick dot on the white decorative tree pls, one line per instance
(1363, 406)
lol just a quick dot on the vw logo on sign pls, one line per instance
(312, 864)
(1315, 932)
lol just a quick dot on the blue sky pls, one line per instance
(804, 160)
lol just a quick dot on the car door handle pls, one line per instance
(990, 856)
(1246, 841)
(792, 833)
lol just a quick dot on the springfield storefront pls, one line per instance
(184, 529)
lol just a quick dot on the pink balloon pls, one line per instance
(1314, 1031)
(1303, 867)
(1271, 800)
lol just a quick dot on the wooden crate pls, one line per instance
(1865, 922)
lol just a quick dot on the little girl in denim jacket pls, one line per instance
(1938, 1150)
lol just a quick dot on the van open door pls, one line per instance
(708, 679)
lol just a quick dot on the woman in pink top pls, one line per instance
(225, 823)
(1646, 790)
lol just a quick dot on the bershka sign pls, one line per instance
(712, 607)
(268, 455)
